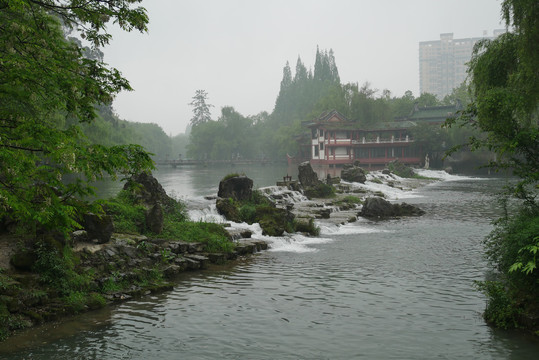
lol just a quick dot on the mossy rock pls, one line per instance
(271, 227)
(274, 221)
(228, 209)
(320, 191)
(400, 169)
(306, 225)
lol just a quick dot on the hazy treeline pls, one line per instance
(108, 129)
(303, 96)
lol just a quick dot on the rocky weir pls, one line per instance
(356, 194)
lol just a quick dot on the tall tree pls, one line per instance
(201, 109)
(333, 67)
(44, 81)
(287, 78)
(505, 89)
(301, 72)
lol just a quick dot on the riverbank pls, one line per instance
(130, 266)
(126, 267)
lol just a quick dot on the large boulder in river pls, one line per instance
(148, 191)
(238, 187)
(354, 174)
(378, 208)
(306, 175)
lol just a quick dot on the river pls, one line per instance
(397, 289)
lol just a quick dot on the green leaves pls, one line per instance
(504, 84)
(45, 83)
(531, 264)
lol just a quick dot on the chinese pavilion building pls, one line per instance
(336, 140)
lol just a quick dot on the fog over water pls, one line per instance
(236, 49)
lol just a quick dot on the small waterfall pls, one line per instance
(283, 196)
(207, 214)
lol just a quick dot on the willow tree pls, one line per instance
(505, 90)
(44, 80)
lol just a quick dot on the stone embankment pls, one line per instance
(128, 259)
(126, 267)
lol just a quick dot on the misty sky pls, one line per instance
(236, 49)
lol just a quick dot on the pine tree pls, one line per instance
(318, 65)
(301, 72)
(287, 79)
(333, 68)
(201, 110)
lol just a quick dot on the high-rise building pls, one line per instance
(442, 63)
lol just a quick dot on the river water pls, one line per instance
(397, 289)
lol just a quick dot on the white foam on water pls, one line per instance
(391, 193)
(201, 209)
(207, 214)
(253, 228)
(444, 176)
(295, 243)
(289, 195)
(347, 229)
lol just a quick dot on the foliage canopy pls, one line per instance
(48, 87)
(505, 89)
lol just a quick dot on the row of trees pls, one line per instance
(109, 130)
(303, 96)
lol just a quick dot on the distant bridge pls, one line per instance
(191, 162)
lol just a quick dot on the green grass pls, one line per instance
(321, 191)
(230, 176)
(214, 236)
(421, 177)
(309, 227)
(127, 217)
(350, 199)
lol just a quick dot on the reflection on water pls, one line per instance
(400, 289)
(194, 181)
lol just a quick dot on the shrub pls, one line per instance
(258, 198)
(320, 190)
(216, 244)
(57, 270)
(248, 213)
(76, 300)
(127, 217)
(512, 249)
(350, 199)
(95, 301)
(230, 176)
(307, 227)
(501, 310)
(400, 169)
